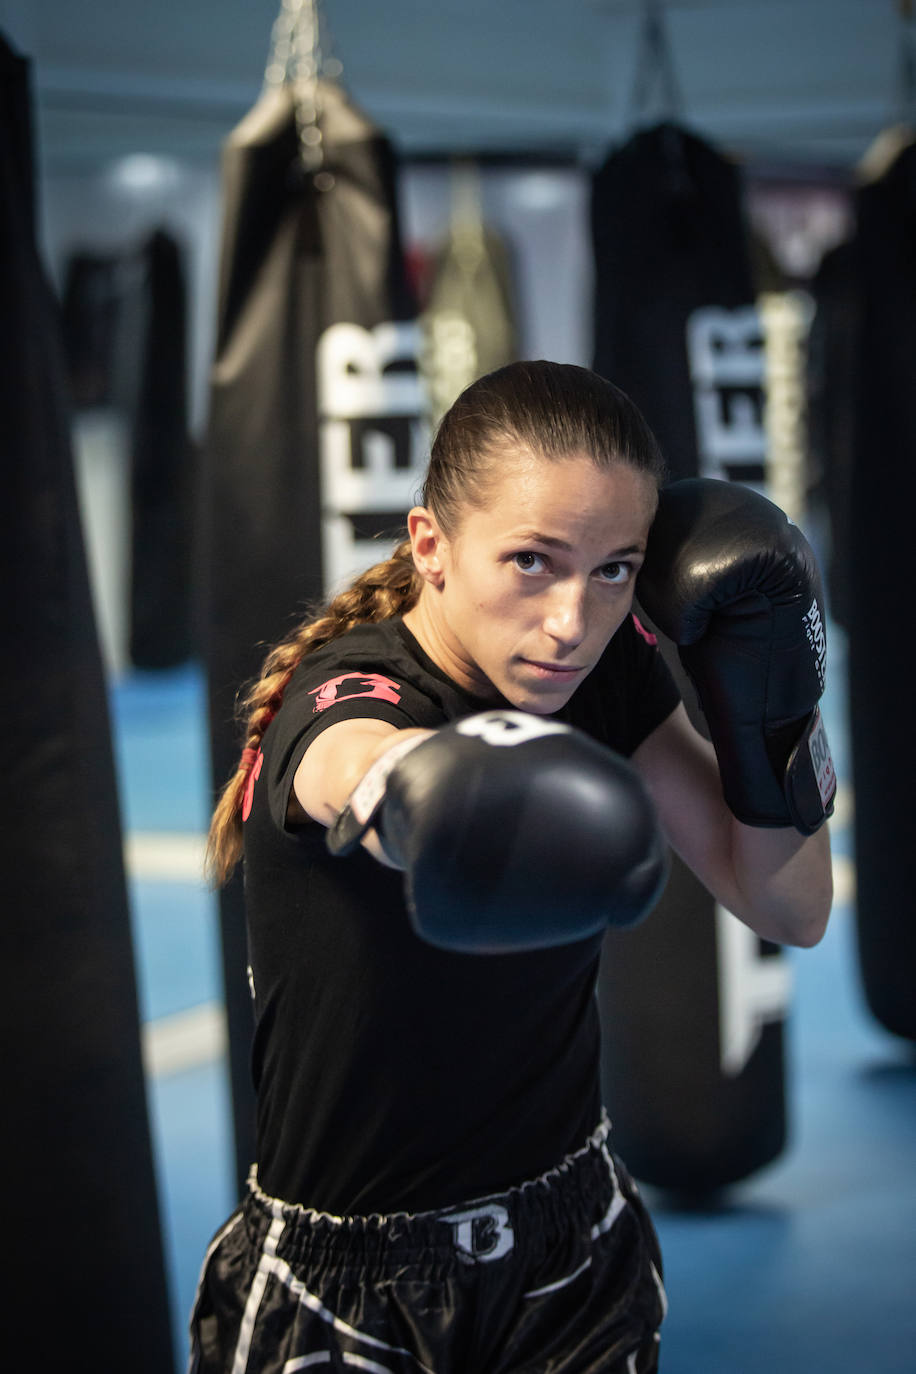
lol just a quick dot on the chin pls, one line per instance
(537, 705)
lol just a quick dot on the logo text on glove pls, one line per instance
(508, 727)
(814, 629)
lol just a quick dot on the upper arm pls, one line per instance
(335, 761)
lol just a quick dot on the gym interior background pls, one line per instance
(502, 121)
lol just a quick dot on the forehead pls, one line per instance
(570, 499)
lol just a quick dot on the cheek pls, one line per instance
(607, 614)
(489, 593)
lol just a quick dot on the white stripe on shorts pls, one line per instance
(269, 1266)
(601, 1228)
(324, 1357)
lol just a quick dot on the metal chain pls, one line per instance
(296, 60)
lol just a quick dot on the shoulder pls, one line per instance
(629, 656)
(628, 693)
(367, 662)
(366, 673)
(634, 640)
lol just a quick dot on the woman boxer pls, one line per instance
(453, 779)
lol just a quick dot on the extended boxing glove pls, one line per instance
(515, 832)
(735, 585)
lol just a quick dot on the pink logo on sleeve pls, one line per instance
(646, 634)
(350, 685)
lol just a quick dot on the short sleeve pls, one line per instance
(355, 681)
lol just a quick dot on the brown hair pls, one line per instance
(548, 409)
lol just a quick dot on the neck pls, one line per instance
(425, 623)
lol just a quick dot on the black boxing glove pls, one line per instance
(515, 832)
(735, 585)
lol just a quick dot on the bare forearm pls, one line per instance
(784, 882)
(775, 880)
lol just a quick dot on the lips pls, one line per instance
(555, 670)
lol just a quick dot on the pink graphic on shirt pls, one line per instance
(249, 786)
(646, 634)
(357, 685)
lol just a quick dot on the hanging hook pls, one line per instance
(655, 62)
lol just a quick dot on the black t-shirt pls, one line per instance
(392, 1075)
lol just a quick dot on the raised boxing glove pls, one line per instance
(735, 585)
(515, 832)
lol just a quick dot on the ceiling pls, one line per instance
(807, 82)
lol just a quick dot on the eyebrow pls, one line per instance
(553, 543)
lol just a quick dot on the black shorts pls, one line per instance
(562, 1274)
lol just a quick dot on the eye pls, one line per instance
(615, 573)
(528, 562)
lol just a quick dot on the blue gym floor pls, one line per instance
(810, 1266)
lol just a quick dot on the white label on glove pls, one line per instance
(822, 762)
(509, 727)
(368, 792)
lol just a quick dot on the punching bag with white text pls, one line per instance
(692, 1003)
(314, 445)
(85, 1282)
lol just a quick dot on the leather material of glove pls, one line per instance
(736, 586)
(517, 832)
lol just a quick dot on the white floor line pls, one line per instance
(843, 810)
(165, 856)
(186, 1040)
(844, 880)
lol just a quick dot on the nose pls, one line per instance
(565, 619)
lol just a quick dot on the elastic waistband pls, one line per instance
(583, 1190)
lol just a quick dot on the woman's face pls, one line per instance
(530, 589)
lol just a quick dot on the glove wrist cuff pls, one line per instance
(364, 802)
(781, 778)
(810, 778)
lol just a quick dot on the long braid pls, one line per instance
(388, 589)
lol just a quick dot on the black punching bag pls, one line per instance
(675, 319)
(832, 389)
(314, 442)
(693, 1004)
(85, 1265)
(124, 325)
(162, 457)
(882, 496)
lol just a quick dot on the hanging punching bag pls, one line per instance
(315, 439)
(162, 477)
(468, 322)
(882, 496)
(832, 382)
(693, 1004)
(79, 1204)
(675, 319)
(124, 327)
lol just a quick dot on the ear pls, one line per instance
(427, 543)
